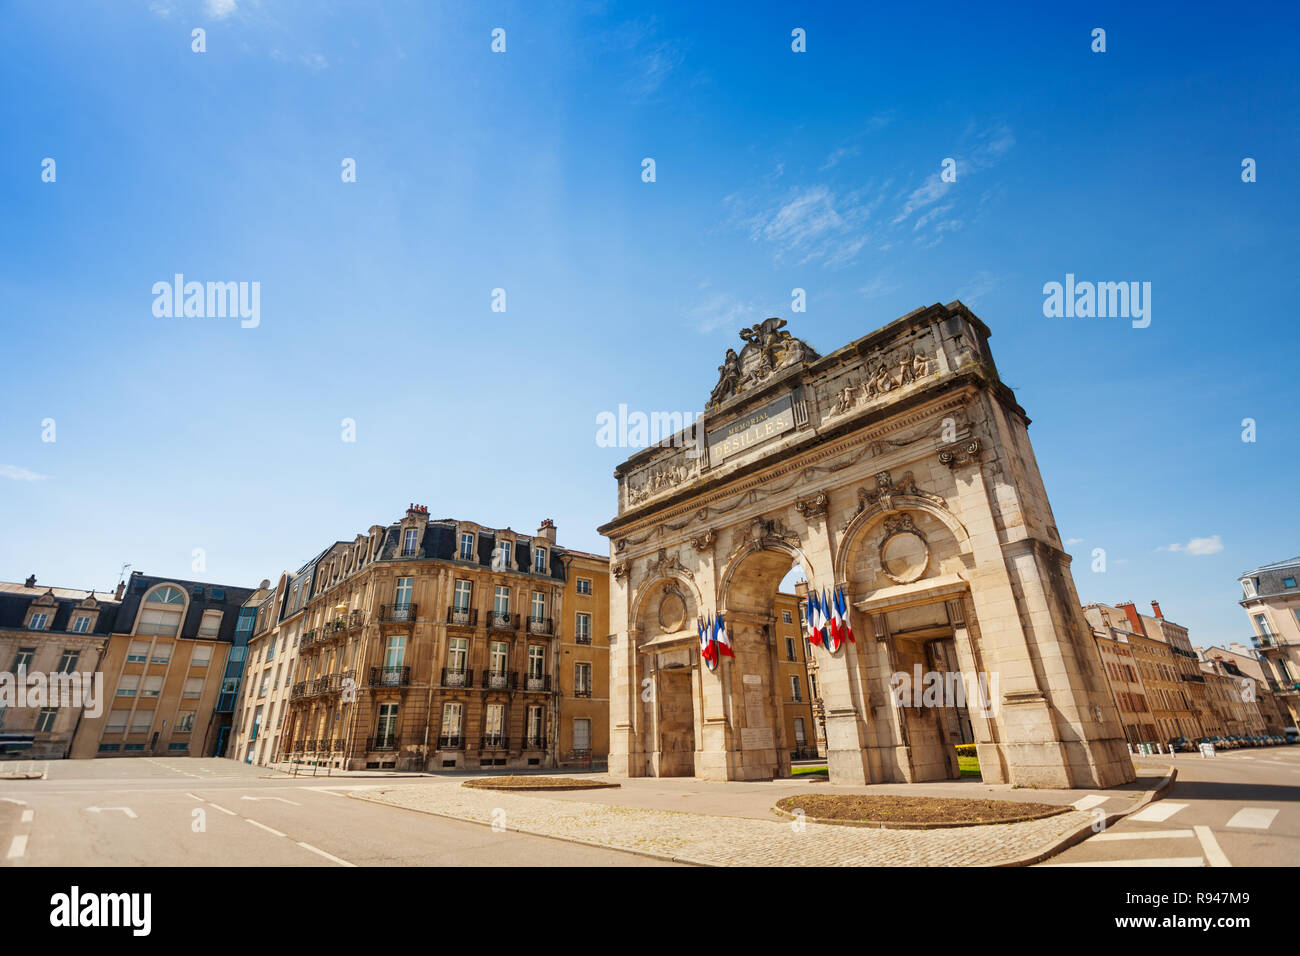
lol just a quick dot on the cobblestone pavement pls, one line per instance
(729, 841)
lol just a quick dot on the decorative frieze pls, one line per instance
(954, 456)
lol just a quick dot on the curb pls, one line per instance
(903, 825)
(1086, 830)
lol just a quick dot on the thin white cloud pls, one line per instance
(220, 9)
(981, 285)
(1074, 541)
(19, 474)
(1197, 546)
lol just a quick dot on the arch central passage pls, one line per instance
(897, 472)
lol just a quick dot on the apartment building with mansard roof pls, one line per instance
(1271, 598)
(441, 643)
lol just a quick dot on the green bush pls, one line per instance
(966, 750)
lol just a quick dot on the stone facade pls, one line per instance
(898, 469)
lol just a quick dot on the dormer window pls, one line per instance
(501, 556)
(467, 546)
(37, 621)
(81, 624)
(539, 561)
(162, 611)
(408, 542)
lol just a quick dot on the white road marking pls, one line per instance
(328, 856)
(222, 809)
(18, 847)
(281, 799)
(27, 816)
(1144, 835)
(1210, 845)
(21, 803)
(1254, 818)
(1158, 812)
(1167, 861)
(193, 797)
(265, 827)
(1088, 802)
(127, 810)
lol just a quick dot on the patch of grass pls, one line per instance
(804, 771)
(968, 766)
(528, 782)
(914, 811)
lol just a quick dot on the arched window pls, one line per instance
(162, 611)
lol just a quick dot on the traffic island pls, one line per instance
(920, 813)
(515, 783)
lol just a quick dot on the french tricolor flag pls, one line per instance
(723, 641)
(814, 629)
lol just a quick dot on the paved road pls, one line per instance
(212, 812)
(1241, 808)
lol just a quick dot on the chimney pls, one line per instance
(1155, 607)
(547, 530)
(417, 511)
(121, 586)
(1134, 620)
(30, 582)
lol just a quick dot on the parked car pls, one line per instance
(1292, 735)
(1181, 745)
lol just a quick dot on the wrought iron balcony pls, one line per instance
(390, 676)
(356, 620)
(542, 683)
(300, 690)
(582, 692)
(457, 678)
(803, 753)
(383, 742)
(503, 622)
(535, 742)
(326, 745)
(1264, 641)
(539, 625)
(583, 639)
(451, 742)
(307, 640)
(308, 746)
(500, 680)
(462, 616)
(494, 742)
(398, 613)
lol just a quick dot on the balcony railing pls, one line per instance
(539, 625)
(503, 622)
(535, 742)
(307, 640)
(583, 639)
(494, 742)
(1264, 640)
(803, 753)
(462, 616)
(500, 680)
(542, 683)
(398, 613)
(582, 692)
(390, 676)
(457, 678)
(326, 745)
(451, 742)
(308, 746)
(356, 620)
(385, 742)
(300, 690)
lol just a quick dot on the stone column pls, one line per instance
(626, 758)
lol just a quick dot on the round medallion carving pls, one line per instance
(672, 612)
(904, 553)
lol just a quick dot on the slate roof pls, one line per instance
(1268, 579)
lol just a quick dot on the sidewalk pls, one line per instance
(732, 823)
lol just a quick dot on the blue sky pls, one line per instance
(522, 170)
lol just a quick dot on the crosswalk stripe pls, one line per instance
(1158, 812)
(1088, 802)
(1210, 845)
(1254, 818)
(1164, 861)
(1144, 835)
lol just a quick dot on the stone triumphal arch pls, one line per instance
(897, 468)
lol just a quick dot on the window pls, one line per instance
(140, 721)
(152, 686)
(582, 628)
(581, 733)
(789, 649)
(408, 542)
(807, 648)
(785, 617)
(500, 654)
(45, 719)
(800, 735)
(117, 721)
(37, 621)
(395, 651)
(387, 728)
(109, 748)
(501, 556)
(68, 661)
(539, 606)
(81, 624)
(584, 585)
(402, 598)
(185, 722)
(462, 596)
(23, 659)
(138, 652)
(582, 679)
(194, 687)
(539, 561)
(162, 654)
(536, 661)
(202, 655)
(501, 601)
(266, 683)
(210, 626)
(161, 612)
(467, 546)
(812, 686)
(794, 689)
(128, 685)
(451, 714)
(535, 725)
(257, 723)
(1288, 582)
(457, 654)
(494, 722)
